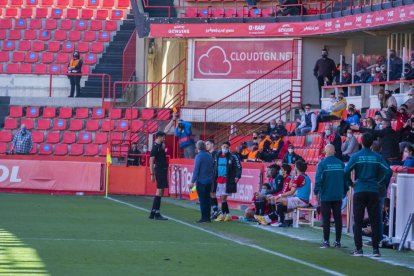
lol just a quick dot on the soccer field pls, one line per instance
(68, 235)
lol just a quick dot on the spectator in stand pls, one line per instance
(330, 137)
(279, 128)
(291, 7)
(186, 141)
(378, 121)
(361, 63)
(75, 67)
(284, 149)
(332, 102)
(346, 79)
(308, 121)
(408, 72)
(351, 119)
(271, 127)
(254, 155)
(265, 142)
(337, 109)
(255, 138)
(410, 102)
(244, 151)
(369, 123)
(402, 116)
(408, 155)
(291, 157)
(378, 74)
(350, 145)
(146, 156)
(381, 61)
(22, 141)
(395, 66)
(388, 104)
(388, 140)
(330, 188)
(133, 158)
(325, 71)
(276, 146)
(371, 172)
(407, 134)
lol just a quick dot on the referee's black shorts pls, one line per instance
(161, 177)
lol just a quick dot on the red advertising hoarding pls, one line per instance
(241, 59)
(51, 175)
(397, 15)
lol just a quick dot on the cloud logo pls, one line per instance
(214, 62)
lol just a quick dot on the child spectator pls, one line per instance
(408, 155)
(291, 157)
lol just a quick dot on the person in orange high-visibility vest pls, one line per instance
(244, 151)
(265, 142)
(254, 155)
(75, 67)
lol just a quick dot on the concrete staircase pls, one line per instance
(4, 109)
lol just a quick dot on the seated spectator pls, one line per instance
(133, 158)
(271, 127)
(255, 137)
(378, 121)
(330, 137)
(291, 157)
(284, 149)
(408, 72)
(350, 145)
(332, 102)
(369, 123)
(291, 7)
(276, 146)
(254, 155)
(388, 104)
(402, 116)
(351, 120)
(407, 133)
(410, 102)
(337, 109)
(408, 155)
(280, 128)
(346, 79)
(244, 151)
(356, 110)
(265, 142)
(308, 121)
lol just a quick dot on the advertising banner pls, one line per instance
(242, 59)
(375, 19)
(51, 175)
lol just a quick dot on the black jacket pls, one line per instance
(234, 170)
(389, 141)
(295, 157)
(325, 67)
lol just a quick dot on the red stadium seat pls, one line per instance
(23, 46)
(35, 24)
(3, 148)
(12, 68)
(217, 12)
(122, 4)
(26, 12)
(11, 123)
(131, 113)
(93, 3)
(56, 13)
(116, 138)
(53, 46)
(53, 137)
(268, 12)
(47, 3)
(72, 13)
(68, 47)
(116, 113)
(102, 152)
(117, 14)
(6, 136)
(87, 14)
(85, 138)
(122, 125)
(28, 122)
(62, 58)
(61, 149)
(32, 112)
(62, 3)
(18, 57)
(205, 12)
(164, 114)
(65, 113)
(4, 56)
(54, 69)
(107, 125)
(147, 114)
(104, 37)
(38, 136)
(66, 25)
(38, 46)
(102, 14)
(45, 149)
(91, 150)
(20, 24)
(98, 113)
(44, 35)
(8, 45)
(43, 124)
(77, 3)
(81, 25)
(2, 35)
(101, 138)
(137, 126)
(82, 113)
(92, 125)
(76, 149)
(131, 138)
(49, 112)
(6, 24)
(69, 137)
(16, 111)
(108, 4)
(25, 68)
(31, 57)
(47, 57)
(35, 147)
(96, 25)
(89, 36)
(90, 59)
(75, 125)
(50, 24)
(30, 35)
(42, 13)
(11, 12)
(151, 127)
(82, 47)
(15, 34)
(60, 35)
(191, 12)
(74, 36)
(40, 69)
(97, 47)
(59, 124)
(111, 26)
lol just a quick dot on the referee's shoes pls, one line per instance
(157, 216)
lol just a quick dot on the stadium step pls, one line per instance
(4, 109)
(110, 61)
(158, 12)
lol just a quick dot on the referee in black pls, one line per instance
(159, 173)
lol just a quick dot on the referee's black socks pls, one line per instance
(225, 208)
(156, 204)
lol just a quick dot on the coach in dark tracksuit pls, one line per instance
(330, 189)
(203, 178)
(371, 171)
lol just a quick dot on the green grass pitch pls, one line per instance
(69, 235)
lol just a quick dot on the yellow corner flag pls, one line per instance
(108, 163)
(108, 157)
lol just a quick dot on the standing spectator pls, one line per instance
(133, 157)
(410, 102)
(388, 104)
(291, 157)
(395, 66)
(368, 167)
(325, 71)
(346, 79)
(22, 141)
(350, 145)
(75, 67)
(203, 179)
(330, 189)
(408, 72)
(227, 172)
(308, 121)
(186, 141)
(336, 111)
(408, 155)
(159, 173)
(330, 137)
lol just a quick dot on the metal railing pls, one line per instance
(129, 58)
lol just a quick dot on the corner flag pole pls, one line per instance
(108, 163)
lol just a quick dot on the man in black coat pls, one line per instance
(325, 71)
(228, 171)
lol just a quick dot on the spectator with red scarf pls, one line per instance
(402, 116)
(330, 137)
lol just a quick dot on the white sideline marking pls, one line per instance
(331, 272)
